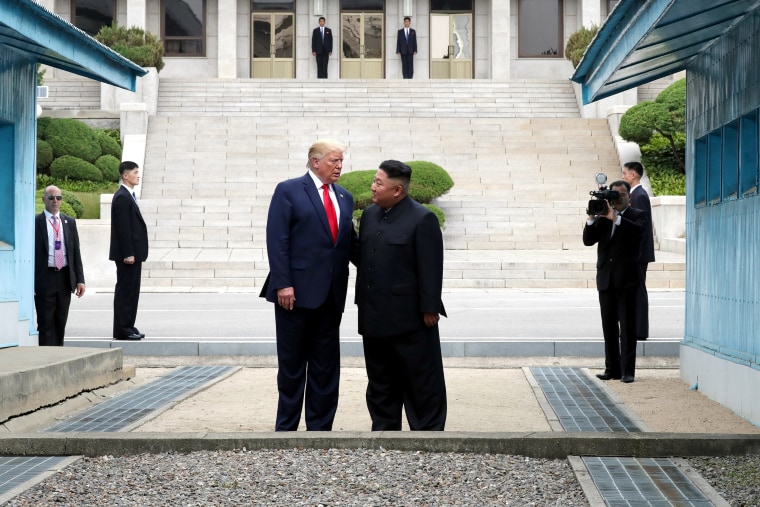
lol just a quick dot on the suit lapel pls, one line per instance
(316, 200)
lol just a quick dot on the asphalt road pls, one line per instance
(477, 315)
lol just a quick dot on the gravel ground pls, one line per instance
(735, 478)
(345, 477)
(309, 477)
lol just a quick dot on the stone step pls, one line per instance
(247, 269)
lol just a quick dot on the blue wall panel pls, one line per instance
(723, 236)
(18, 79)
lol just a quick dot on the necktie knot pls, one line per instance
(54, 219)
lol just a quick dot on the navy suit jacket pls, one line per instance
(319, 47)
(404, 48)
(617, 257)
(129, 234)
(640, 200)
(71, 242)
(300, 247)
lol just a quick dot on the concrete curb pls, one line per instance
(550, 445)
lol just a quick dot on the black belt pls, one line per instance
(50, 268)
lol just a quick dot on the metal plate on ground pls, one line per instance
(579, 403)
(123, 410)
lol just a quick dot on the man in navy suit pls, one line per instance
(321, 47)
(310, 240)
(129, 249)
(632, 173)
(57, 268)
(398, 294)
(617, 234)
(406, 46)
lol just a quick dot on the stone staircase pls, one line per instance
(522, 159)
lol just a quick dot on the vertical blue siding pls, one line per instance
(723, 236)
(18, 78)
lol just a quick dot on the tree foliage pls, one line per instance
(143, 48)
(665, 116)
(578, 43)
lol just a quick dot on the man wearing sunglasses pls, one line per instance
(57, 268)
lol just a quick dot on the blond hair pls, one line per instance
(322, 147)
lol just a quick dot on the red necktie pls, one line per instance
(332, 218)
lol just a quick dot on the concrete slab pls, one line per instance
(34, 377)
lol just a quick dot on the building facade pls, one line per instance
(460, 39)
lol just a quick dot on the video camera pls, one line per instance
(602, 198)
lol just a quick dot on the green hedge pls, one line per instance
(109, 167)
(73, 168)
(44, 156)
(72, 137)
(429, 181)
(143, 48)
(108, 145)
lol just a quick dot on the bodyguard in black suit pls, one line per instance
(406, 46)
(632, 174)
(618, 235)
(57, 268)
(310, 240)
(398, 293)
(129, 249)
(321, 47)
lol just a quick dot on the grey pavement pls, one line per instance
(482, 322)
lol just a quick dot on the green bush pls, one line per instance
(578, 42)
(109, 167)
(359, 185)
(666, 117)
(108, 145)
(72, 200)
(44, 156)
(42, 125)
(72, 168)
(657, 158)
(72, 137)
(429, 181)
(143, 48)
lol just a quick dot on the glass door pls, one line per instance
(451, 46)
(272, 45)
(362, 46)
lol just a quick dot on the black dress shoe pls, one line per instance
(132, 337)
(606, 376)
(627, 379)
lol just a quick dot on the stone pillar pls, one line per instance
(136, 14)
(227, 39)
(591, 13)
(501, 40)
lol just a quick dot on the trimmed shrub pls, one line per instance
(108, 145)
(429, 181)
(438, 212)
(72, 137)
(72, 168)
(72, 200)
(665, 177)
(143, 48)
(44, 156)
(109, 167)
(359, 185)
(42, 125)
(578, 43)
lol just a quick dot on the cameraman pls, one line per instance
(617, 233)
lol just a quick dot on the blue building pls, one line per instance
(30, 34)
(717, 43)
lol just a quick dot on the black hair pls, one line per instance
(396, 170)
(621, 183)
(635, 167)
(127, 165)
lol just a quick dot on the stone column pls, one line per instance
(136, 13)
(227, 39)
(591, 13)
(501, 40)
